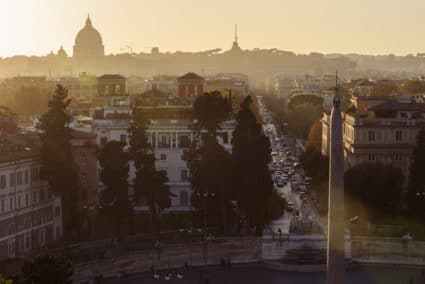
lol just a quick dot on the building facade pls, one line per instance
(30, 215)
(190, 85)
(387, 136)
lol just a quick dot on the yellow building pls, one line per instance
(387, 135)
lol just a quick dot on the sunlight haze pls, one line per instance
(368, 27)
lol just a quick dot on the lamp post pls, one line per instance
(92, 209)
(205, 196)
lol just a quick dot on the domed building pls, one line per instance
(88, 43)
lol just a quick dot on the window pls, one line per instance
(183, 175)
(42, 237)
(26, 176)
(57, 211)
(103, 141)
(371, 136)
(83, 159)
(163, 157)
(34, 197)
(19, 201)
(42, 195)
(19, 178)
(11, 203)
(83, 177)
(225, 137)
(12, 179)
(34, 174)
(397, 157)
(26, 199)
(371, 157)
(184, 141)
(123, 138)
(398, 135)
(2, 182)
(2, 206)
(184, 198)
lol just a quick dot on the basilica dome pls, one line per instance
(88, 42)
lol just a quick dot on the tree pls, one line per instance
(416, 185)
(373, 187)
(316, 166)
(252, 180)
(57, 164)
(301, 117)
(413, 87)
(47, 269)
(382, 89)
(315, 136)
(150, 185)
(210, 168)
(114, 175)
(209, 110)
(208, 161)
(298, 100)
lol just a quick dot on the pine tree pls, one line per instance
(416, 186)
(251, 154)
(114, 198)
(150, 185)
(57, 165)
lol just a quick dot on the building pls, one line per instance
(84, 155)
(387, 136)
(190, 85)
(8, 121)
(88, 43)
(170, 138)
(30, 215)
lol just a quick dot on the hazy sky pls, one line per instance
(358, 26)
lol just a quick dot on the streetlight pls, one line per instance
(205, 196)
(92, 209)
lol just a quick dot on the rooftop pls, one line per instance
(394, 105)
(111, 77)
(190, 76)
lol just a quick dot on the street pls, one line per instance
(257, 274)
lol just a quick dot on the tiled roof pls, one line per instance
(190, 76)
(111, 76)
(394, 105)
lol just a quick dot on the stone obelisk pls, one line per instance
(336, 230)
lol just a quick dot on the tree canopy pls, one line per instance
(252, 181)
(47, 269)
(114, 175)
(209, 110)
(373, 187)
(57, 164)
(416, 186)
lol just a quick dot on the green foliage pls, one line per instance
(57, 164)
(150, 185)
(298, 100)
(252, 181)
(114, 175)
(301, 117)
(413, 87)
(316, 166)
(211, 109)
(47, 269)
(373, 187)
(416, 186)
(5, 281)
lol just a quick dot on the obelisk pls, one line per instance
(336, 230)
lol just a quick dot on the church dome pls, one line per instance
(88, 43)
(88, 36)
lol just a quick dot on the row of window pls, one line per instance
(395, 157)
(398, 136)
(19, 178)
(23, 201)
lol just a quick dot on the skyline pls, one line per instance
(325, 27)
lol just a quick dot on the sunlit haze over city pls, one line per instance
(211, 142)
